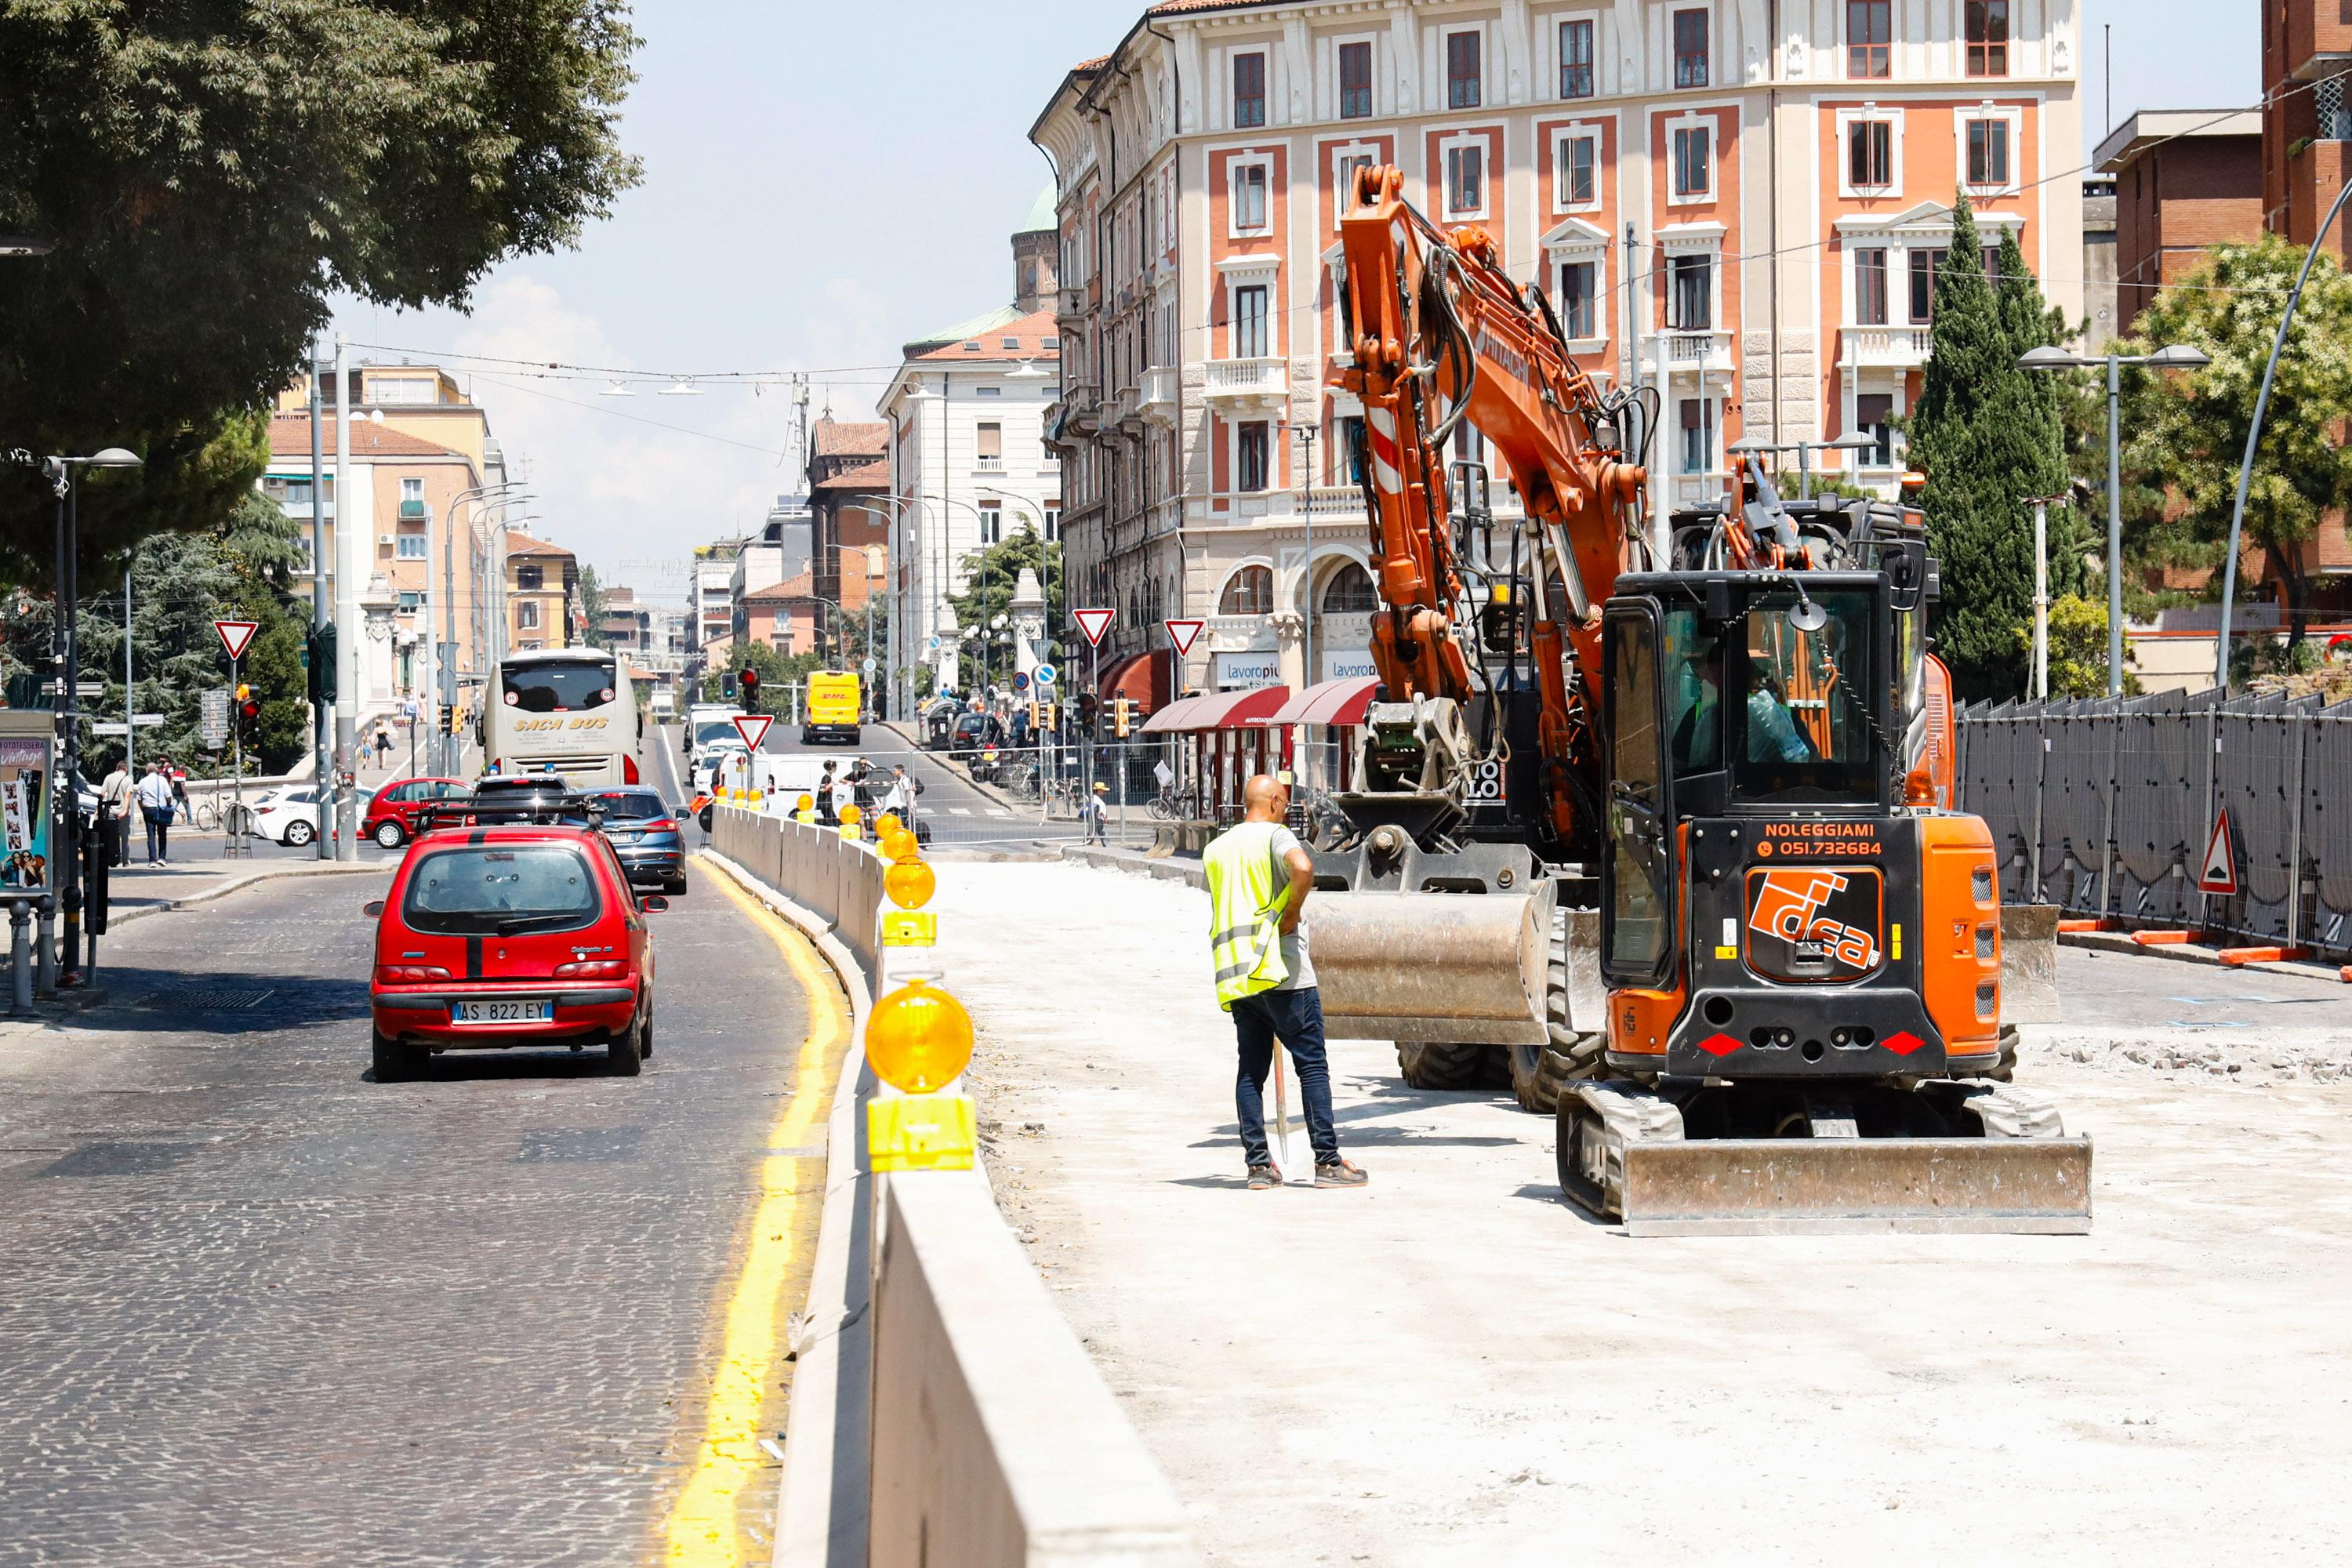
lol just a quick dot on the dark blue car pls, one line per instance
(646, 835)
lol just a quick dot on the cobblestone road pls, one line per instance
(258, 1307)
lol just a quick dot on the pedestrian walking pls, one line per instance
(178, 776)
(155, 794)
(1258, 876)
(116, 793)
(383, 745)
(825, 786)
(1095, 809)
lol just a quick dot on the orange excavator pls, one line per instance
(1653, 819)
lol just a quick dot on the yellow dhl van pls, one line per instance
(834, 706)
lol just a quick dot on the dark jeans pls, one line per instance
(159, 833)
(1295, 1018)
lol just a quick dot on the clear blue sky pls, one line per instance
(824, 181)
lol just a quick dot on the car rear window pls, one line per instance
(493, 890)
(632, 805)
(560, 686)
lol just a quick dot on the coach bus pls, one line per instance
(567, 710)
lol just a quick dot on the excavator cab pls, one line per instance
(1800, 948)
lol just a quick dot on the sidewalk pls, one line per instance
(1454, 1367)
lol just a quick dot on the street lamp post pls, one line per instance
(66, 854)
(446, 656)
(2173, 357)
(1306, 434)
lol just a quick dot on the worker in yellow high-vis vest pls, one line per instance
(1258, 876)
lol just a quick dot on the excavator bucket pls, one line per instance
(2008, 1168)
(1443, 967)
(2028, 964)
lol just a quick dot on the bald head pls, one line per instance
(1264, 798)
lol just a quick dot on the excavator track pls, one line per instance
(2007, 1167)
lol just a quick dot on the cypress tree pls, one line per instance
(2032, 323)
(1984, 437)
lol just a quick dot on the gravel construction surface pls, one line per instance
(1454, 1367)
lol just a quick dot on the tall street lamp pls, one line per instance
(67, 854)
(2174, 357)
(1306, 434)
(1853, 442)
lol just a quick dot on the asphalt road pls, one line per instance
(959, 814)
(258, 1307)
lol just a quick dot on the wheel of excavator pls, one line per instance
(1449, 1065)
(1539, 1073)
(1575, 1124)
(2005, 1071)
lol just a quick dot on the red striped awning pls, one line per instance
(1219, 710)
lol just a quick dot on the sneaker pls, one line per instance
(1340, 1174)
(1261, 1177)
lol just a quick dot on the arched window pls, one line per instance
(1248, 591)
(1348, 592)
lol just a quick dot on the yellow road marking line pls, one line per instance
(703, 1530)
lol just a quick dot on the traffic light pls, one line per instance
(319, 662)
(248, 717)
(1122, 717)
(1089, 711)
(748, 683)
(449, 718)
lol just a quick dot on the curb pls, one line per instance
(2120, 942)
(1135, 863)
(207, 895)
(822, 1495)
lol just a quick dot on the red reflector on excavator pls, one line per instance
(1718, 1045)
(1902, 1043)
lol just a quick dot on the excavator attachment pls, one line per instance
(1468, 968)
(1976, 1157)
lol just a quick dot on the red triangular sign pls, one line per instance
(234, 635)
(753, 728)
(1183, 634)
(2219, 872)
(1094, 622)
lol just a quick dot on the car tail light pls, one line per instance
(628, 768)
(593, 969)
(408, 973)
(660, 825)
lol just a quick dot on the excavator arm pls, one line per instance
(1440, 335)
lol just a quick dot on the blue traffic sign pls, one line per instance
(1019, 681)
(1047, 674)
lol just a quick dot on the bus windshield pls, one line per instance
(557, 686)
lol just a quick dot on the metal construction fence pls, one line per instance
(2106, 807)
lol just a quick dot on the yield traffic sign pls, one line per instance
(2219, 872)
(753, 728)
(235, 634)
(1183, 634)
(1094, 622)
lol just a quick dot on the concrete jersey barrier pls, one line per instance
(991, 1439)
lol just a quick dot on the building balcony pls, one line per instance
(1883, 348)
(1244, 382)
(1070, 304)
(1157, 397)
(1704, 352)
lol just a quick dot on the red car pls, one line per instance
(502, 936)
(392, 810)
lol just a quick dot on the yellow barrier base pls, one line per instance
(921, 1132)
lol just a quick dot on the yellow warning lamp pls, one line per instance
(243, 691)
(918, 1038)
(901, 846)
(910, 884)
(849, 816)
(808, 803)
(886, 824)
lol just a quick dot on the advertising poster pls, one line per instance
(25, 813)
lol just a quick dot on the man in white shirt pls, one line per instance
(154, 794)
(116, 793)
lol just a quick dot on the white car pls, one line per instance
(289, 816)
(717, 754)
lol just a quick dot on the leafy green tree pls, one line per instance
(592, 607)
(779, 673)
(990, 574)
(2078, 649)
(2187, 431)
(1986, 440)
(212, 174)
